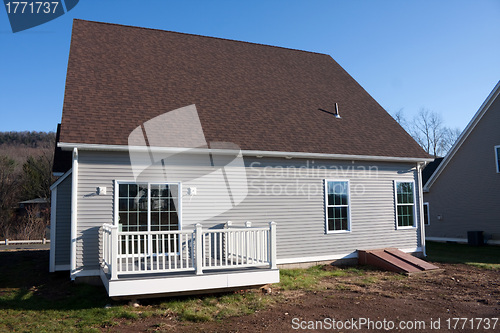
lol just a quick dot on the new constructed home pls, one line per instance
(192, 163)
(463, 193)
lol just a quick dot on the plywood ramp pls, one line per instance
(394, 260)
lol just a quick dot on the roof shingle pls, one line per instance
(257, 96)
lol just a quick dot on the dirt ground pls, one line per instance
(456, 291)
(459, 291)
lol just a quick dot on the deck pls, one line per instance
(146, 264)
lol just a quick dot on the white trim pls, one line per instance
(428, 222)
(256, 153)
(325, 193)
(60, 180)
(459, 240)
(57, 174)
(317, 258)
(472, 124)
(396, 205)
(180, 284)
(497, 158)
(53, 210)
(351, 255)
(74, 213)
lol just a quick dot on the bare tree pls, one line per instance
(8, 193)
(428, 130)
(449, 138)
(33, 224)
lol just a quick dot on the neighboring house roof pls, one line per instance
(430, 168)
(259, 97)
(465, 134)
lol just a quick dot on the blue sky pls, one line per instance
(441, 55)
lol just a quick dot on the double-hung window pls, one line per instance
(337, 205)
(405, 204)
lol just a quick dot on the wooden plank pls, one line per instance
(394, 260)
(424, 265)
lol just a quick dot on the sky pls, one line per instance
(439, 55)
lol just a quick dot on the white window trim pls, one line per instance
(116, 195)
(396, 205)
(497, 163)
(325, 198)
(428, 222)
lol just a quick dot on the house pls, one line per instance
(462, 194)
(193, 163)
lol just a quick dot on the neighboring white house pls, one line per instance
(193, 163)
(463, 193)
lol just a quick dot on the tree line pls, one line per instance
(26, 138)
(25, 173)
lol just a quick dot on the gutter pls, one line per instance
(256, 153)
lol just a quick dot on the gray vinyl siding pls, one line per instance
(299, 212)
(467, 193)
(63, 222)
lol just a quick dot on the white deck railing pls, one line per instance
(194, 250)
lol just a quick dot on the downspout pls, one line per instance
(421, 207)
(74, 212)
(53, 221)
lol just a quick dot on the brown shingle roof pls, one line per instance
(257, 96)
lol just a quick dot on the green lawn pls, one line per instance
(480, 256)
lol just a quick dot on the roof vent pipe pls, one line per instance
(337, 115)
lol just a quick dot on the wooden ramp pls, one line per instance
(394, 260)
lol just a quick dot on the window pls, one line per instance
(427, 220)
(337, 206)
(497, 157)
(405, 204)
(148, 207)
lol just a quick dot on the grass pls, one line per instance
(486, 257)
(308, 279)
(32, 300)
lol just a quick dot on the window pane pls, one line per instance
(405, 193)
(123, 190)
(122, 205)
(405, 216)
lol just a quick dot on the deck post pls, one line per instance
(272, 245)
(113, 263)
(198, 252)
